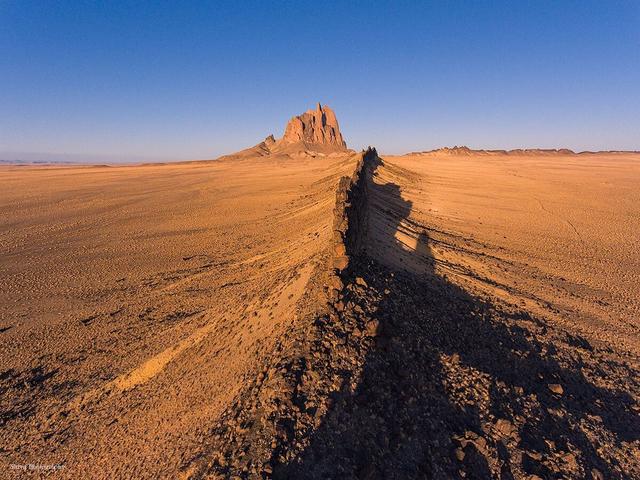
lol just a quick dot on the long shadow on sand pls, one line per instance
(457, 386)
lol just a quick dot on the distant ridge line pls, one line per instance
(464, 150)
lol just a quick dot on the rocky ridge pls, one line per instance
(389, 375)
(288, 399)
(466, 151)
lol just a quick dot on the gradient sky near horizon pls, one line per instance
(187, 80)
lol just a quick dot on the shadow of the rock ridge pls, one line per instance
(456, 386)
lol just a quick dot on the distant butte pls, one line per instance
(314, 132)
(314, 127)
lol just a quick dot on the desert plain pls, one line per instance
(194, 320)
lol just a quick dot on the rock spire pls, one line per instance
(319, 126)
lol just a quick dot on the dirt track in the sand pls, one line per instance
(139, 303)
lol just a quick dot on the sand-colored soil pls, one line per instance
(558, 234)
(171, 321)
(135, 300)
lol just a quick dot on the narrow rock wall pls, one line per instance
(396, 376)
(267, 428)
(350, 217)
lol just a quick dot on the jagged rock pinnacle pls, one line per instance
(269, 141)
(319, 126)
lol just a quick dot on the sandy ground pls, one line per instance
(134, 300)
(138, 302)
(555, 233)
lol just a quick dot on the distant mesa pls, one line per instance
(314, 127)
(312, 133)
(466, 151)
(316, 133)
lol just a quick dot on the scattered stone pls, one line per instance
(556, 412)
(556, 388)
(373, 327)
(504, 427)
(335, 282)
(470, 434)
(570, 460)
(340, 263)
(535, 455)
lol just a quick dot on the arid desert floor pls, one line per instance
(172, 321)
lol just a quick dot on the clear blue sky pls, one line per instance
(188, 80)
